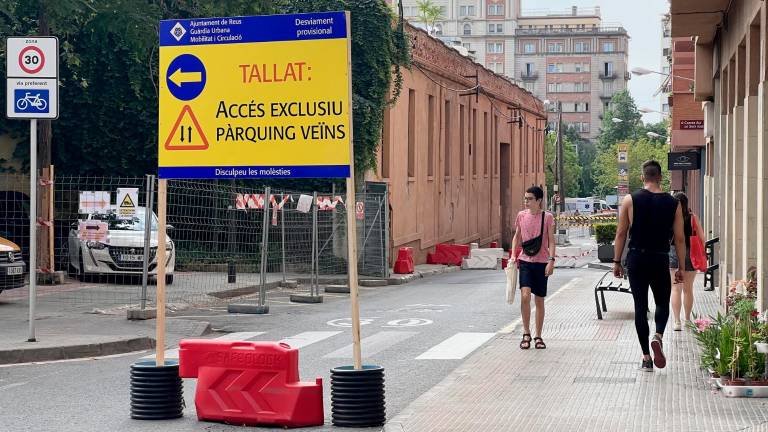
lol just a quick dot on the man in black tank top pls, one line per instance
(652, 218)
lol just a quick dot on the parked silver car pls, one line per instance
(122, 252)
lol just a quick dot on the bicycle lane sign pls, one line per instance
(32, 77)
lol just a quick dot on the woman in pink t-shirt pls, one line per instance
(536, 268)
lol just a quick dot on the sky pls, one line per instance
(642, 19)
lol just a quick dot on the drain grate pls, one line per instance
(603, 380)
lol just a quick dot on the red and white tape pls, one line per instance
(325, 203)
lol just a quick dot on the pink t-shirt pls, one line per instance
(529, 226)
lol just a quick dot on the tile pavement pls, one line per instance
(587, 379)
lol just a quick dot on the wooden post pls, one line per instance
(51, 193)
(162, 189)
(352, 260)
(352, 222)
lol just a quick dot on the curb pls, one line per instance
(600, 266)
(420, 274)
(30, 355)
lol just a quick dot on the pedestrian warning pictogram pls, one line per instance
(183, 135)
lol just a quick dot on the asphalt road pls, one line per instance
(402, 326)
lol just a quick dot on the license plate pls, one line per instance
(15, 271)
(133, 258)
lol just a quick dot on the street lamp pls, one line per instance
(616, 120)
(654, 135)
(643, 71)
(649, 110)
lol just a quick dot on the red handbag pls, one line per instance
(698, 256)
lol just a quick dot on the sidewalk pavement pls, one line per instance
(65, 333)
(586, 380)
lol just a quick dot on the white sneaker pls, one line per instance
(677, 326)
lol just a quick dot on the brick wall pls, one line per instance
(433, 202)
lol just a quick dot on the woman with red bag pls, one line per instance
(683, 292)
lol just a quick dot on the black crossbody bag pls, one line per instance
(533, 246)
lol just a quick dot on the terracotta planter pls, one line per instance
(734, 382)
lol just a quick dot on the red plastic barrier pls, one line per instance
(494, 245)
(404, 263)
(250, 383)
(448, 254)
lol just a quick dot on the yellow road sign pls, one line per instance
(251, 97)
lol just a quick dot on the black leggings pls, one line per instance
(643, 270)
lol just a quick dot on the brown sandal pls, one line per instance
(526, 342)
(539, 343)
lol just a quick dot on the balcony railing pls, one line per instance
(607, 95)
(570, 31)
(529, 76)
(608, 76)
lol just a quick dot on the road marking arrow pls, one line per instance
(180, 77)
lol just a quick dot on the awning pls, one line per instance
(697, 18)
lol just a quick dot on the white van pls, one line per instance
(579, 206)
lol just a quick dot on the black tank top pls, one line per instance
(653, 216)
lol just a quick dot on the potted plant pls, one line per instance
(761, 333)
(733, 345)
(605, 233)
(724, 350)
(707, 334)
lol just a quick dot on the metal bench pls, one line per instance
(612, 285)
(712, 266)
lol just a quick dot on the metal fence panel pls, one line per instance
(215, 249)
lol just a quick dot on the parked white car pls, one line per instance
(122, 252)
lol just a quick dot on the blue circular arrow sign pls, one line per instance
(185, 77)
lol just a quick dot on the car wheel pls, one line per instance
(169, 279)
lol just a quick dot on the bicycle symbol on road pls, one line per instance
(34, 101)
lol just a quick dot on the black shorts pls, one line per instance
(532, 275)
(674, 263)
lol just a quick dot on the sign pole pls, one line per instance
(32, 226)
(352, 225)
(162, 189)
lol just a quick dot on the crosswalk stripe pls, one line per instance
(308, 338)
(239, 336)
(373, 344)
(456, 347)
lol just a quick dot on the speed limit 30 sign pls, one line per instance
(32, 71)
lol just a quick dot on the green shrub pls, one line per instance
(605, 233)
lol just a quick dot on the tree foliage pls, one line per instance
(571, 167)
(109, 69)
(429, 14)
(607, 162)
(633, 132)
(622, 107)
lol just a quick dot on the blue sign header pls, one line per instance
(266, 28)
(231, 172)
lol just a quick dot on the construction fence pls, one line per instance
(224, 240)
